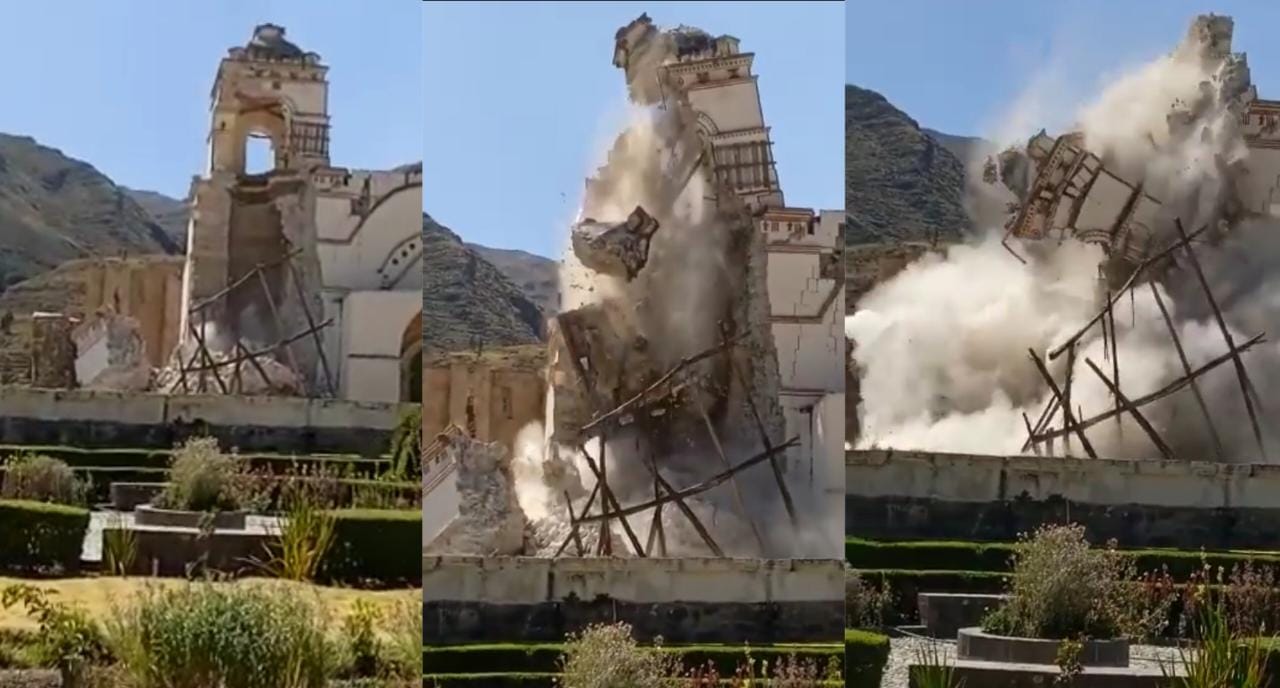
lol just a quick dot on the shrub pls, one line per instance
(201, 478)
(40, 478)
(606, 656)
(226, 636)
(1063, 588)
(68, 639)
(35, 536)
(865, 605)
(369, 546)
(865, 656)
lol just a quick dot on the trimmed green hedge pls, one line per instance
(374, 546)
(906, 584)
(865, 656)
(497, 680)
(35, 536)
(77, 457)
(540, 658)
(997, 556)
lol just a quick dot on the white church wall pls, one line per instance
(373, 325)
(379, 252)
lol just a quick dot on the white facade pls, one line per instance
(806, 284)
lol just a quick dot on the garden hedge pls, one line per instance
(865, 656)
(374, 546)
(81, 458)
(35, 536)
(538, 658)
(905, 585)
(998, 556)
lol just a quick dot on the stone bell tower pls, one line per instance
(241, 223)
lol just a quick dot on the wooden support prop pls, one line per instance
(576, 524)
(1165, 391)
(220, 294)
(306, 311)
(262, 352)
(1186, 370)
(206, 356)
(1124, 404)
(700, 487)
(1241, 373)
(764, 435)
(1070, 422)
(666, 377)
(609, 501)
(1133, 277)
(737, 489)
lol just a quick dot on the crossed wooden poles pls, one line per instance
(1073, 424)
(202, 364)
(664, 493)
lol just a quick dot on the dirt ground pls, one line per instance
(101, 596)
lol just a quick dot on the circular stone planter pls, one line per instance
(975, 644)
(148, 515)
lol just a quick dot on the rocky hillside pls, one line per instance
(54, 208)
(467, 301)
(537, 277)
(901, 184)
(170, 213)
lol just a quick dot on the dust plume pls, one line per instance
(942, 348)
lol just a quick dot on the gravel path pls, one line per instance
(904, 651)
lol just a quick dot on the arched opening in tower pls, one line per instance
(259, 154)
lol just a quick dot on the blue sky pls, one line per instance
(954, 65)
(523, 97)
(125, 85)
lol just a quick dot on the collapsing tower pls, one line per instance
(664, 431)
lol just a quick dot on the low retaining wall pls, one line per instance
(89, 418)
(489, 599)
(1141, 503)
(184, 553)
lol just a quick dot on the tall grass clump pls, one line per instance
(206, 635)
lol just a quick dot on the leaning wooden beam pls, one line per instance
(609, 501)
(1241, 373)
(1163, 391)
(275, 316)
(1046, 417)
(737, 488)
(253, 360)
(660, 485)
(206, 356)
(701, 487)
(1070, 422)
(218, 295)
(1186, 370)
(576, 524)
(1031, 432)
(635, 400)
(1115, 353)
(1126, 405)
(573, 523)
(1133, 277)
(764, 434)
(315, 331)
(1066, 396)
